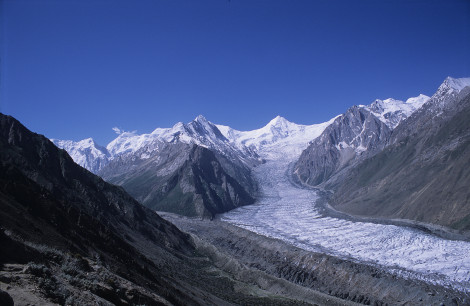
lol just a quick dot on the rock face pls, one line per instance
(163, 170)
(412, 166)
(182, 178)
(423, 172)
(355, 135)
(31, 161)
(349, 138)
(47, 199)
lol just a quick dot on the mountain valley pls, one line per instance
(370, 207)
(70, 238)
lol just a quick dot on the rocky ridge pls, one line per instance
(183, 178)
(162, 170)
(350, 137)
(363, 131)
(421, 173)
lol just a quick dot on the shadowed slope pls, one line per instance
(423, 174)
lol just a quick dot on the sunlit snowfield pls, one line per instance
(287, 212)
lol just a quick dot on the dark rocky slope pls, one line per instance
(350, 138)
(68, 237)
(423, 174)
(182, 178)
(48, 200)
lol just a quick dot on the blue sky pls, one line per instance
(75, 69)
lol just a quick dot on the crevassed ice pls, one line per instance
(290, 214)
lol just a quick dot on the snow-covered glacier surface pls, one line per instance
(289, 213)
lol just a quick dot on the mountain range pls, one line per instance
(71, 236)
(422, 172)
(51, 208)
(163, 172)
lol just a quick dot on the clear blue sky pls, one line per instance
(75, 69)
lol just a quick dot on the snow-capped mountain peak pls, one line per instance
(200, 131)
(456, 84)
(177, 127)
(418, 101)
(280, 127)
(200, 125)
(279, 121)
(87, 142)
(82, 145)
(86, 152)
(391, 111)
(201, 119)
(279, 137)
(447, 91)
(203, 128)
(451, 86)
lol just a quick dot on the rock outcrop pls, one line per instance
(351, 137)
(181, 178)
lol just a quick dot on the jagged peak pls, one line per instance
(177, 126)
(278, 121)
(381, 104)
(201, 118)
(388, 101)
(87, 142)
(455, 83)
(421, 98)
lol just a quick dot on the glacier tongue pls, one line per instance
(291, 214)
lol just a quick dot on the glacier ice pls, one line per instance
(287, 212)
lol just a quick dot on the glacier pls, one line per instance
(291, 213)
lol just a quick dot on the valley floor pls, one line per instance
(281, 269)
(292, 214)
